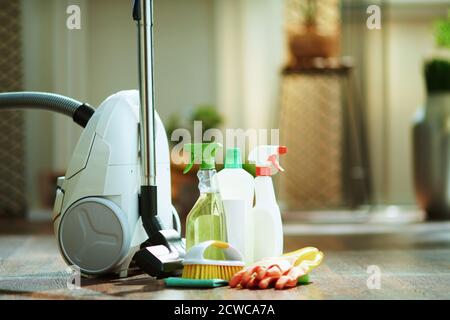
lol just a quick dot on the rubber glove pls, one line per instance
(282, 272)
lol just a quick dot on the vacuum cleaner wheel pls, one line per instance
(94, 235)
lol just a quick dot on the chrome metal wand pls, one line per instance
(144, 17)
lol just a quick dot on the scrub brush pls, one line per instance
(199, 272)
(197, 267)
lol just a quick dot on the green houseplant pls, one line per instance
(437, 68)
(206, 114)
(431, 134)
(437, 75)
(442, 32)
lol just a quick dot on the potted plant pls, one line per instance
(306, 42)
(431, 132)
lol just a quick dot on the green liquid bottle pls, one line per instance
(206, 220)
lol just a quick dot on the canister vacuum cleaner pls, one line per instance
(113, 206)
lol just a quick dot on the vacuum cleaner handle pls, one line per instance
(162, 254)
(143, 15)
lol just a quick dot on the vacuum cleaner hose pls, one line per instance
(78, 111)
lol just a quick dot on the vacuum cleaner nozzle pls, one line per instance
(162, 255)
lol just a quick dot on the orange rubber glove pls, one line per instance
(282, 272)
(262, 275)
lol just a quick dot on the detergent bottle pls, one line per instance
(237, 190)
(206, 220)
(265, 215)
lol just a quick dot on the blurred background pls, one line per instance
(343, 95)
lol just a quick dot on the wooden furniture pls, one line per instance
(324, 128)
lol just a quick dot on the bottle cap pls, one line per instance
(233, 159)
(203, 154)
(282, 150)
(263, 171)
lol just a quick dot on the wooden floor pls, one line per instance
(414, 262)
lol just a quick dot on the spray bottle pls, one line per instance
(265, 215)
(206, 220)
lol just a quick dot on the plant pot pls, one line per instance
(431, 156)
(309, 44)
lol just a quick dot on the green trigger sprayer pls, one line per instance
(206, 220)
(203, 154)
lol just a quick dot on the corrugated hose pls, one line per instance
(78, 111)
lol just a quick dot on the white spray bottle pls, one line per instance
(265, 215)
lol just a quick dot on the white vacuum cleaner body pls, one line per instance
(113, 206)
(96, 212)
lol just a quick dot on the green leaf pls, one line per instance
(442, 32)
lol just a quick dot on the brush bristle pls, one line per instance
(200, 271)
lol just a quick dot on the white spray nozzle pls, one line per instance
(266, 156)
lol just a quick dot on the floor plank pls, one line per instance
(414, 264)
